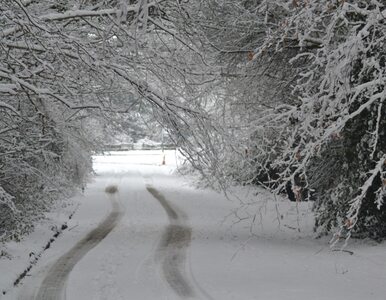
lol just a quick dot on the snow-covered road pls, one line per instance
(159, 237)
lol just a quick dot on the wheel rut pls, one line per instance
(173, 246)
(54, 283)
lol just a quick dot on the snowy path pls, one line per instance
(145, 238)
(164, 239)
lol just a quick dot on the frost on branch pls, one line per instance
(6, 199)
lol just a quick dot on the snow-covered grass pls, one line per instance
(17, 257)
(247, 246)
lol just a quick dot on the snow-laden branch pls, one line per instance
(145, 90)
(40, 48)
(9, 107)
(7, 200)
(43, 92)
(82, 14)
(95, 13)
(356, 203)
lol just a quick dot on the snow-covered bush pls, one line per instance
(40, 161)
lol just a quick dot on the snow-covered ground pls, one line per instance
(175, 241)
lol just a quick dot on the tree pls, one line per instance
(61, 64)
(303, 96)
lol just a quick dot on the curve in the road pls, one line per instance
(53, 285)
(172, 248)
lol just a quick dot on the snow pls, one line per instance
(282, 260)
(8, 88)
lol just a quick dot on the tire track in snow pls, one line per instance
(172, 248)
(53, 285)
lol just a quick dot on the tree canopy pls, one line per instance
(274, 93)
